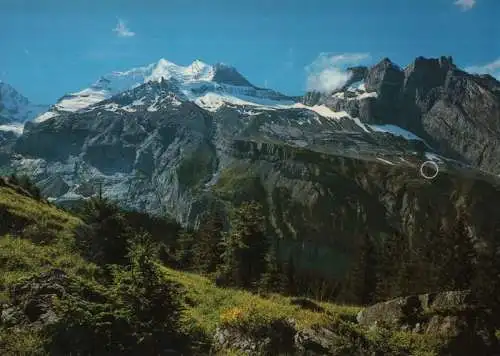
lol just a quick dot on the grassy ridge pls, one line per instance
(22, 257)
(211, 305)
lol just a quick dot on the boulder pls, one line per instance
(32, 299)
(453, 316)
(277, 338)
(308, 304)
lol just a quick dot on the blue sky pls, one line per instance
(51, 47)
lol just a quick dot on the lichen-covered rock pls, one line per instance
(276, 338)
(33, 298)
(10, 316)
(453, 316)
(393, 313)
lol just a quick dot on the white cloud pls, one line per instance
(492, 68)
(122, 30)
(465, 4)
(328, 71)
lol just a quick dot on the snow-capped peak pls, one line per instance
(15, 107)
(119, 81)
(196, 71)
(191, 78)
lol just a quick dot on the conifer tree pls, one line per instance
(185, 249)
(273, 279)
(456, 256)
(289, 276)
(361, 282)
(138, 314)
(486, 285)
(207, 249)
(388, 266)
(465, 255)
(431, 254)
(106, 242)
(245, 246)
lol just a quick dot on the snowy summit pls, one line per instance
(220, 77)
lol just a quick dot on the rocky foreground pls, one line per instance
(448, 323)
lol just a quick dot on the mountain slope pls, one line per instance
(15, 109)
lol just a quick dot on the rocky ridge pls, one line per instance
(456, 112)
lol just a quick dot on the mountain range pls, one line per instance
(175, 140)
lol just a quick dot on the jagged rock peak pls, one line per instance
(358, 73)
(444, 63)
(387, 63)
(227, 74)
(427, 73)
(383, 74)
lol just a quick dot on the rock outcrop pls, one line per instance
(31, 300)
(277, 338)
(453, 316)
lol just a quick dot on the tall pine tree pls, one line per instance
(361, 282)
(106, 241)
(458, 258)
(390, 260)
(207, 248)
(273, 279)
(245, 246)
(486, 283)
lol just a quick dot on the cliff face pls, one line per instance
(321, 205)
(458, 113)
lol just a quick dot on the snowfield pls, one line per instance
(17, 128)
(395, 130)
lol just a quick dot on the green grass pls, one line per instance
(211, 305)
(21, 342)
(21, 257)
(30, 211)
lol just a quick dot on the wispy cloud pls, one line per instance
(492, 68)
(122, 30)
(329, 71)
(26, 52)
(266, 84)
(289, 63)
(465, 5)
